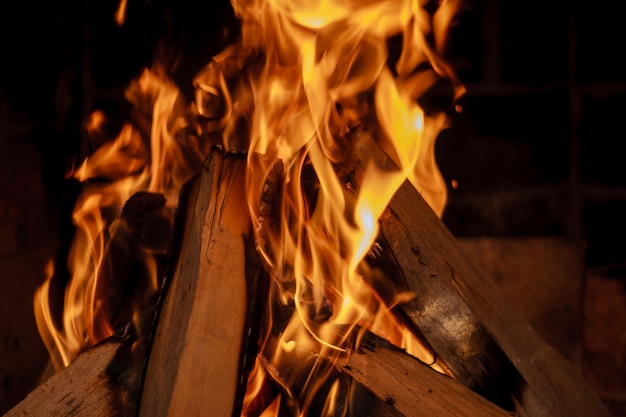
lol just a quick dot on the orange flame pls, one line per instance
(148, 156)
(120, 13)
(306, 73)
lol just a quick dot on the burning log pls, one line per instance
(200, 349)
(207, 328)
(209, 322)
(486, 344)
(462, 315)
(403, 386)
(101, 382)
(384, 381)
(547, 385)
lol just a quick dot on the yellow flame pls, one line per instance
(120, 13)
(307, 73)
(156, 160)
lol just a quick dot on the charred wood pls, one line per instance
(409, 387)
(540, 380)
(101, 382)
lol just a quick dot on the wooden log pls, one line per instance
(546, 384)
(385, 382)
(200, 348)
(395, 384)
(376, 379)
(133, 266)
(202, 343)
(196, 367)
(461, 313)
(101, 382)
(437, 312)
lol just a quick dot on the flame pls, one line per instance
(149, 155)
(303, 77)
(120, 13)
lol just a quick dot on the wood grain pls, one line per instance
(414, 389)
(87, 387)
(195, 362)
(548, 385)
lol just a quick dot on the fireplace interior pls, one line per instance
(536, 185)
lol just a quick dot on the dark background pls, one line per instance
(537, 150)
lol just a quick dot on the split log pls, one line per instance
(101, 382)
(542, 381)
(383, 381)
(200, 348)
(437, 313)
(461, 313)
(402, 386)
(133, 266)
(205, 330)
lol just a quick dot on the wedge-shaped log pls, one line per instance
(199, 351)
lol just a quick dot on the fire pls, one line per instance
(154, 160)
(305, 77)
(120, 13)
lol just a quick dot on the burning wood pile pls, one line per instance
(274, 247)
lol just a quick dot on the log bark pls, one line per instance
(200, 349)
(101, 382)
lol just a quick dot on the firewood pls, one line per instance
(542, 382)
(206, 328)
(377, 379)
(460, 312)
(200, 348)
(398, 381)
(101, 382)
(437, 313)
